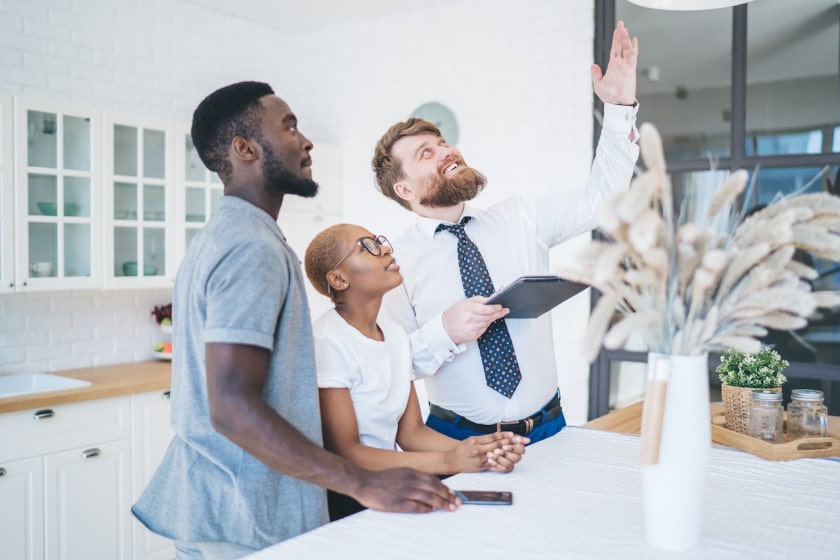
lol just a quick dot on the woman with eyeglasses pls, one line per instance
(368, 403)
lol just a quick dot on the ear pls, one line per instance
(405, 191)
(336, 281)
(243, 149)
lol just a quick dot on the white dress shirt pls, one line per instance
(514, 237)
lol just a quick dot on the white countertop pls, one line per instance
(578, 495)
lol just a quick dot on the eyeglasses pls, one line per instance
(372, 245)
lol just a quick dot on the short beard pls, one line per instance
(281, 180)
(443, 192)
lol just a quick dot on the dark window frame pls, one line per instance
(599, 371)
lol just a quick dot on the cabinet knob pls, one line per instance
(2, 471)
(42, 414)
(90, 453)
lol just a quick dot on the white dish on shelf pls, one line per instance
(163, 355)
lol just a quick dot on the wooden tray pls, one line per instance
(828, 446)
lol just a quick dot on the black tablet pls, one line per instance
(528, 297)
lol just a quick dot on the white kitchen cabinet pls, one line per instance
(151, 432)
(67, 480)
(7, 208)
(22, 509)
(57, 196)
(139, 202)
(198, 194)
(92, 199)
(87, 502)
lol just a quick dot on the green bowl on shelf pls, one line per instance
(130, 269)
(51, 208)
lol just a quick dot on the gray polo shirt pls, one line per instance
(239, 283)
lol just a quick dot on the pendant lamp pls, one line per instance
(687, 5)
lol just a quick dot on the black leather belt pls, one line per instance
(550, 411)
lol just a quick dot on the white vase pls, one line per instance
(674, 488)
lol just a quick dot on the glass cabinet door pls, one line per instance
(7, 210)
(139, 192)
(199, 199)
(57, 198)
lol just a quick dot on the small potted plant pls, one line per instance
(740, 373)
(163, 316)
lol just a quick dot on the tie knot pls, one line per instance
(455, 229)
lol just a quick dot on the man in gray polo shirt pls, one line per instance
(246, 468)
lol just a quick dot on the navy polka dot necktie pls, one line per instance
(501, 368)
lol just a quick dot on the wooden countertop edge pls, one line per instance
(628, 420)
(106, 381)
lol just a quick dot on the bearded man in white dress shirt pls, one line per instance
(457, 342)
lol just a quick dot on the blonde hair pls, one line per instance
(321, 254)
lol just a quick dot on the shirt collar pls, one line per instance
(427, 226)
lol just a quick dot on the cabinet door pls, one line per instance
(7, 210)
(57, 197)
(22, 509)
(139, 203)
(199, 191)
(87, 503)
(151, 433)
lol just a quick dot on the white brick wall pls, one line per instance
(515, 73)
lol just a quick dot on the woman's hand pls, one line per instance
(498, 451)
(502, 459)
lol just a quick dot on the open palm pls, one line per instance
(618, 84)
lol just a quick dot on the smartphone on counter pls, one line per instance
(485, 497)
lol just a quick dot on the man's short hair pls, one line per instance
(228, 112)
(386, 167)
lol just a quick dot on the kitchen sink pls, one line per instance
(30, 383)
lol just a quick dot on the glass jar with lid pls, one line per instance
(765, 416)
(807, 416)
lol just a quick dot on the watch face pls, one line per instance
(442, 117)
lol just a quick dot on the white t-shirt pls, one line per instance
(378, 374)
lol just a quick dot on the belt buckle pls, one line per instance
(529, 424)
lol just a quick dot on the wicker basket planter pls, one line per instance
(736, 405)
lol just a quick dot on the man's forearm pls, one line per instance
(259, 430)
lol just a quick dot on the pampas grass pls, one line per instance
(716, 283)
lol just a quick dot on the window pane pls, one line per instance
(125, 150)
(195, 205)
(154, 153)
(627, 383)
(77, 196)
(773, 183)
(43, 195)
(125, 251)
(41, 129)
(684, 76)
(792, 80)
(154, 243)
(195, 170)
(77, 250)
(819, 342)
(77, 143)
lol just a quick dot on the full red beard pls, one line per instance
(443, 192)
